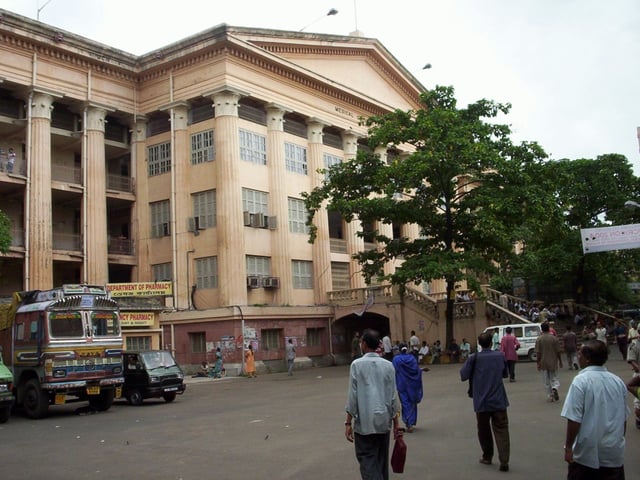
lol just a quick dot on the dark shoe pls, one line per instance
(484, 461)
(504, 468)
(512, 380)
(575, 365)
(556, 397)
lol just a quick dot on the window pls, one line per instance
(204, 208)
(138, 343)
(207, 272)
(254, 201)
(162, 272)
(104, 324)
(340, 275)
(202, 147)
(67, 324)
(159, 159)
(253, 147)
(197, 342)
(297, 216)
(295, 158)
(160, 219)
(330, 161)
(302, 274)
(258, 266)
(314, 337)
(271, 338)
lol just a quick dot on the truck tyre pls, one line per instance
(134, 397)
(35, 401)
(5, 413)
(102, 402)
(169, 397)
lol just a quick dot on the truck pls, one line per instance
(6, 391)
(63, 345)
(152, 374)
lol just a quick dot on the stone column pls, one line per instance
(140, 216)
(321, 248)
(230, 229)
(278, 204)
(95, 230)
(180, 203)
(385, 228)
(355, 244)
(40, 262)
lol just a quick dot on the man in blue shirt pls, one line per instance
(485, 371)
(596, 412)
(372, 408)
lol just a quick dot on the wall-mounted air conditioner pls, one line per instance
(253, 281)
(271, 282)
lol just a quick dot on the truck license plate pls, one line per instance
(171, 389)
(93, 390)
(60, 399)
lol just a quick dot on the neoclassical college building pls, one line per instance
(185, 166)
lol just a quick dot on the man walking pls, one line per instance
(570, 348)
(387, 347)
(548, 358)
(509, 346)
(596, 412)
(414, 344)
(291, 356)
(372, 409)
(484, 371)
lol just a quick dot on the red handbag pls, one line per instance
(399, 454)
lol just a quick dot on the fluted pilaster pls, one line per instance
(231, 243)
(278, 204)
(385, 229)
(140, 214)
(40, 263)
(321, 249)
(355, 244)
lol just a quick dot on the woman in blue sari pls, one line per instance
(409, 385)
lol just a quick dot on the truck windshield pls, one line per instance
(104, 324)
(158, 359)
(66, 324)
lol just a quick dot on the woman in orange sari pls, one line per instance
(249, 362)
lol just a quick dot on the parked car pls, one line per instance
(151, 374)
(526, 333)
(6, 391)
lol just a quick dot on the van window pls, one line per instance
(532, 331)
(517, 331)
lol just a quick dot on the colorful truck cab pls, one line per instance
(63, 345)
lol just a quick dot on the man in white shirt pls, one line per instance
(387, 347)
(414, 343)
(596, 412)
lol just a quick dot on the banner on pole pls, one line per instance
(606, 239)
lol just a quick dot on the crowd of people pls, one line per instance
(594, 407)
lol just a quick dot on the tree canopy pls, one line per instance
(459, 178)
(5, 232)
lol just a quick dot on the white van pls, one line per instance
(526, 333)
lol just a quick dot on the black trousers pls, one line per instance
(580, 472)
(511, 365)
(499, 423)
(372, 452)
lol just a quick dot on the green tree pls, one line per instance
(5, 232)
(463, 182)
(588, 193)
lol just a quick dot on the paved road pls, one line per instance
(281, 427)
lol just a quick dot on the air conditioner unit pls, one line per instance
(272, 224)
(246, 218)
(271, 282)
(257, 220)
(196, 224)
(253, 281)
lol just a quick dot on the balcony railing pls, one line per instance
(67, 241)
(120, 246)
(119, 182)
(66, 174)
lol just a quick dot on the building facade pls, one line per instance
(187, 165)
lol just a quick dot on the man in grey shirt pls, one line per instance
(372, 408)
(291, 356)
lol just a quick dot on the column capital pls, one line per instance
(139, 128)
(180, 114)
(226, 100)
(350, 142)
(275, 116)
(96, 116)
(42, 103)
(314, 129)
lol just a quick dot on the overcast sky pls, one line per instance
(570, 68)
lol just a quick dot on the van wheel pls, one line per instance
(135, 397)
(169, 397)
(5, 413)
(102, 402)
(35, 401)
(532, 355)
